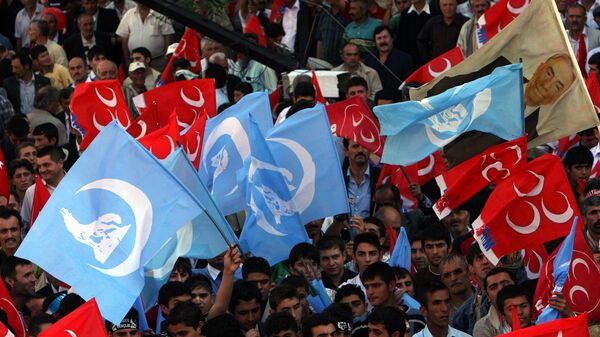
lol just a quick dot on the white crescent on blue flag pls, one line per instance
(294, 177)
(199, 239)
(110, 214)
(416, 129)
(226, 146)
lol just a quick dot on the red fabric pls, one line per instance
(275, 97)
(582, 55)
(500, 15)
(120, 74)
(94, 105)
(565, 143)
(83, 321)
(463, 181)
(253, 26)
(533, 261)
(4, 182)
(393, 174)
(437, 66)
(352, 119)
(8, 306)
(189, 98)
(189, 49)
(192, 140)
(595, 171)
(430, 167)
(145, 123)
(393, 237)
(61, 19)
(516, 323)
(593, 88)
(318, 93)
(4, 332)
(581, 288)
(565, 327)
(276, 11)
(530, 207)
(164, 140)
(40, 197)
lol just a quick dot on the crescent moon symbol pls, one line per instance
(531, 275)
(306, 189)
(427, 169)
(534, 191)
(575, 263)
(144, 127)
(71, 333)
(532, 227)
(435, 140)
(197, 103)
(184, 244)
(194, 154)
(498, 166)
(186, 125)
(116, 116)
(370, 139)
(517, 10)
(142, 211)
(260, 219)
(357, 123)
(555, 217)
(108, 102)
(229, 126)
(438, 73)
(575, 289)
(171, 143)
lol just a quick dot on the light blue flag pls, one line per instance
(401, 254)
(492, 104)
(108, 217)
(562, 263)
(203, 238)
(411, 303)
(226, 147)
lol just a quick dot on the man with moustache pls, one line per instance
(454, 272)
(10, 232)
(360, 177)
(392, 65)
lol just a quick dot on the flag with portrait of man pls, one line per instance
(556, 100)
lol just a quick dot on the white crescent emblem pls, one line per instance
(71, 333)
(532, 227)
(97, 125)
(357, 123)
(498, 166)
(575, 263)
(186, 125)
(171, 143)
(197, 103)
(10, 304)
(435, 140)
(575, 289)
(108, 102)
(370, 139)
(555, 217)
(184, 244)
(534, 191)
(435, 74)
(517, 10)
(194, 154)
(531, 275)
(116, 116)
(144, 127)
(427, 169)
(560, 334)
(141, 208)
(261, 221)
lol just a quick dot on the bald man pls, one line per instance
(107, 70)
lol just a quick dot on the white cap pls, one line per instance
(133, 66)
(171, 48)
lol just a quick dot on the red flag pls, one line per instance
(275, 96)
(144, 124)
(565, 327)
(120, 74)
(83, 321)
(5, 332)
(188, 98)
(494, 164)
(393, 237)
(253, 26)
(393, 174)
(319, 94)
(533, 260)
(12, 314)
(565, 143)
(497, 18)
(164, 140)
(61, 18)
(581, 288)
(436, 67)
(189, 49)
(595, 170)
(430, 167)
(94, 105)
(516, 323)
(530, 207)
(276, 11)
(4, 182)
(192, 140)
(593, 88)
(352, 119)
(40, 197)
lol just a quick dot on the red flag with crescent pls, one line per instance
(430, 167)
(581, 288)
(392, 174)
(253, 26)
(565, 327)
(565, 143)
(12, 314)
(530, 207)
(192, 140)
(276, 11)
(187, 48)
(436, 67)
(497, 18)
(94, 105)
(189, 98)
(84, 321)
(533, 260)
(352, 119)
(5, 332)
(593, 87)
(40, 197)
(318, 93)
(145, 123)
(164, 140)
(465, 180)
(4, 182)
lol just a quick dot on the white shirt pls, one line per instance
(425, 9)
(148, 33)
(451, 333)
(575, 42)
(126, 6)
(22, 23)
(290, 23)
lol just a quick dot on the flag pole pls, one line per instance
(405, 174)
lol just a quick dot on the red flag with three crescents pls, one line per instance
(164, 140)
(352, 119)
(192, 140)
(189, 49)
(94, 105)
(436, 67)
(83, 321)
(530, 207)
(144, 124)
(497, 18)
(465, 180)
(318, 93)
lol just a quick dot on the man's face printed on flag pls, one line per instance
(550, 80)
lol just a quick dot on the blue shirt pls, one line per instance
(360, 194)
(362, 35)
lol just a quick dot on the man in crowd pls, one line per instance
(435, 305)
(353, 65)
(24, 84)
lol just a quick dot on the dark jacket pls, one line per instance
(74, 45)
(11, 85)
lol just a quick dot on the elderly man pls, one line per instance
(467, 38)
(38, 35)
(80, 44)
(78, 70)
(582, 38)
(440, 33)
(31, 11)
(107, 70)
(353, 65)
(137, 75)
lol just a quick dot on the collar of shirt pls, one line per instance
(584, 32)
(212, 271)
(367, 173)
(425, 9)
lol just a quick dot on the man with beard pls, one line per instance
(10, 232)
(360, 178)
(591, 218)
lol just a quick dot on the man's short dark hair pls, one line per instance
(95, 51)
(390, 188)
(435, 232)
(511, 291)
(331, 242)
(495, 271)
(69, 304)
(305, 89)
(348, 290)
(366, 237)
(23, 58)
(380, 29)
(578, 155)
(17, 164)
(281, 293)
(342, 314)
(588, 203)
(315, 320)
(303, 250)
(46, 129)
(256, 264)
(389, 94)
(9, 266)
(171, 290)
(378, 269)
(274, 30)
(280, 321)
(37, 51)
(183, 264)
(199, 281)
(244, 291)
(244, 87)
(36, 322)
(180, 63)
(296, 281)
(187, 314)
(425, 290)
(55, 153)
(380, 226)
(6, 213)
(142, 50)
(18, 125)
(473, 252)
(391, 317)
(356, 81)
(217, 72)
(43, 27)
(224, 325)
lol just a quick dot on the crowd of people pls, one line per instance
(47, 48)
